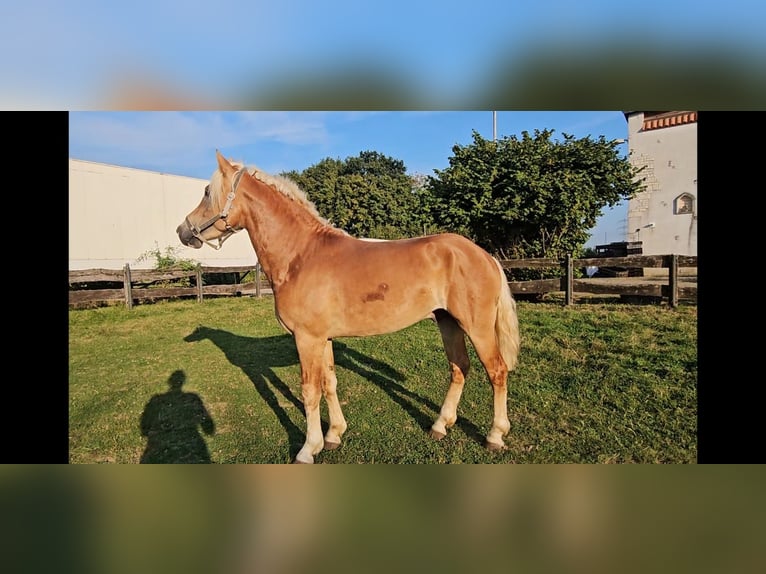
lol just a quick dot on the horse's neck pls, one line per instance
(280, 230)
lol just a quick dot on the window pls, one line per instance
(684, 203)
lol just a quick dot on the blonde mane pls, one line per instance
(286, 187)
(282, 184)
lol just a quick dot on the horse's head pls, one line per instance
(216, 215)
(199, 334)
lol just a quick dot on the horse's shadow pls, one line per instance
(258, 356)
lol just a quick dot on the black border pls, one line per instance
(36, 397)
(729, 297)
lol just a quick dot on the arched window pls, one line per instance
(684, 203)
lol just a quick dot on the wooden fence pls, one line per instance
(149, 285)
(671, 288)
(141, 285)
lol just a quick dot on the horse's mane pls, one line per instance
(282, 184)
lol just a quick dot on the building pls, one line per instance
(663, 217)
(117, 214)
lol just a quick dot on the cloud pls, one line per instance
(186, 140)
(150, 139)
(283, 127)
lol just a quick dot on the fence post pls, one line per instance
(673, 281)
(126, 282)
(199, 283)
(258, 279)
(569, 292)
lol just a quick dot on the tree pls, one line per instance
(320, 181)
(369, 195)
(530, 196)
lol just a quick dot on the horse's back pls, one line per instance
(433, 246)
(461, 253)
(441, 258)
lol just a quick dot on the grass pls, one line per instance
(219, 381)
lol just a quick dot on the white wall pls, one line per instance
(116, 214)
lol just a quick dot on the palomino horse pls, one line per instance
(328, 284)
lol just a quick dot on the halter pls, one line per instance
(197, 231)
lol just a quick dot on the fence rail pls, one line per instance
(633, 287)
(148, 285)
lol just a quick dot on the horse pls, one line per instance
(329, 284)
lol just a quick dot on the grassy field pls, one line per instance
(219, 381)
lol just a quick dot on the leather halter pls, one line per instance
(197, 231)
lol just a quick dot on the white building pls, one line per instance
(117, 214)
(664, 216)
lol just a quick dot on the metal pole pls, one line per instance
(494, 126)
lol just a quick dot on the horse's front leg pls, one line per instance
(330, 383)
(311, 352)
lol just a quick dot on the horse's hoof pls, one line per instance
(331, 445)
(494, 447)
(436, 434)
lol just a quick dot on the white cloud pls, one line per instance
(297, 128)
(183, 142)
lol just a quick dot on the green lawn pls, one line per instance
(219, 381)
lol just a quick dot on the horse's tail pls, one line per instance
(507, 323)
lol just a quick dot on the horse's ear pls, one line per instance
(223, 165)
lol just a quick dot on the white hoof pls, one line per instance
(302, 458)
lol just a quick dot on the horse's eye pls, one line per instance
(207, 190)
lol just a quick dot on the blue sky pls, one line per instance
(184, 143)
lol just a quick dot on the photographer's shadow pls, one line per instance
(171, 423)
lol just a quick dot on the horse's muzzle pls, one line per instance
(186, 235)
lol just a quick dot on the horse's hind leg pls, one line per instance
(489, 354)
(329, 384)
(453, 338)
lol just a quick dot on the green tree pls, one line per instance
(320, 181)
(369, 195)
(530, 196)
(423, 220)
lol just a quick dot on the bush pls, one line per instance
(169, 260)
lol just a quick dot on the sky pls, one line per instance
(184, 143)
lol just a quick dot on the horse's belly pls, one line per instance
(384, 310)
(370, 304)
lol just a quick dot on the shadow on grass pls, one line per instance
(258, 356)
(171, 422)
